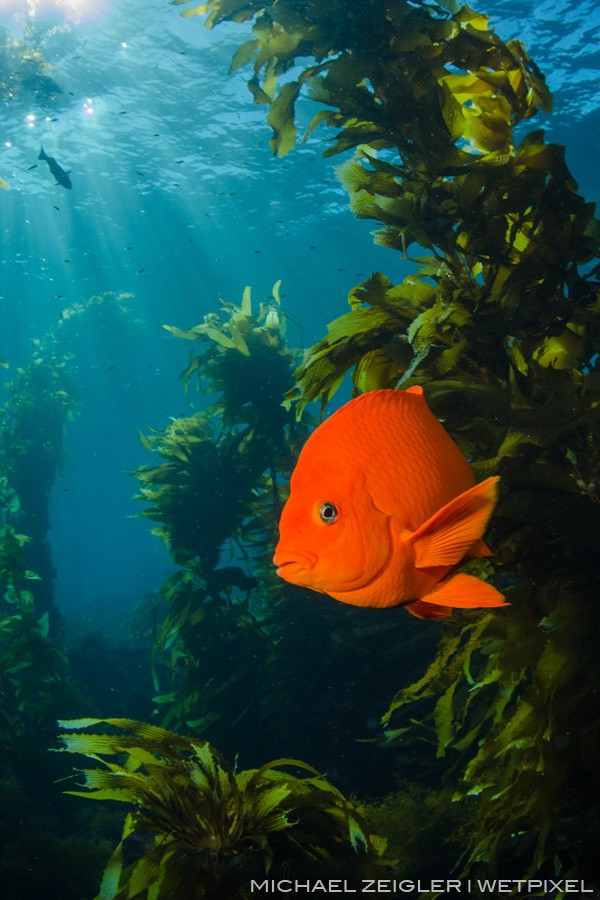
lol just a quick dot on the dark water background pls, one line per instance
(177, 198)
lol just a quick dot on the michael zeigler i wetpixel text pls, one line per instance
(368, 886)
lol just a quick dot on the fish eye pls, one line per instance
(328, 513)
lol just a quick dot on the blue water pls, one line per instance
(177, 199)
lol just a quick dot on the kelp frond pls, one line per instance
(501, 325)
(497, 86)
(218, 479)
(23, 70)
(212, 827)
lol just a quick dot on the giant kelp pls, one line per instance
(33, 669)
(35, 681)
(225, 449)
(35, 687)
(228, 651)
(42, 402)
(500, 323)
(37, 829)
(216, 481)
(24, 72)
(35, 684)
(214, 828)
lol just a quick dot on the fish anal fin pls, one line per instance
(451, 532)
(463, 591)
(428, 610)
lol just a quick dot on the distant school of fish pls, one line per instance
(384, 508)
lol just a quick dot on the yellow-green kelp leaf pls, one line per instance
(200, 10)
(213, 827)
(243, 55)
(142, 731)
(366, 329)
(281, 119)
(349, 338)
(504, 346)
(443, 719)
(453, 656)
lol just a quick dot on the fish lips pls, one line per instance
(291, 564)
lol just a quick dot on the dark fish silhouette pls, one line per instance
(59, 173)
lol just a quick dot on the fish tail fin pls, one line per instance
(426, 610)
(463, 591)
(452, 532)
(42, 153)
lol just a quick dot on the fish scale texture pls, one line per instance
(411, 466)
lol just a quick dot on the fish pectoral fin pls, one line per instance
(428, 610)
(464, 592)
(445, 538)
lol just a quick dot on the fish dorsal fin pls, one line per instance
(415, 389)
(445, 538)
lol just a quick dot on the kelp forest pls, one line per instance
(281, 734)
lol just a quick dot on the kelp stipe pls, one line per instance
(213, 828)
(500, 323)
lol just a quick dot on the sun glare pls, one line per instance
(70, 12)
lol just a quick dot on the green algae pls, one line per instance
(218, 480)
(35, 679)
(23, 70)
(500, 324)
(213, 828)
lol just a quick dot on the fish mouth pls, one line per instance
(289, 566)
(287, 569)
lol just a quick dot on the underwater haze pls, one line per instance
(177, 199)
(143, 468)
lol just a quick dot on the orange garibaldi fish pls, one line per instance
(383, 507)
